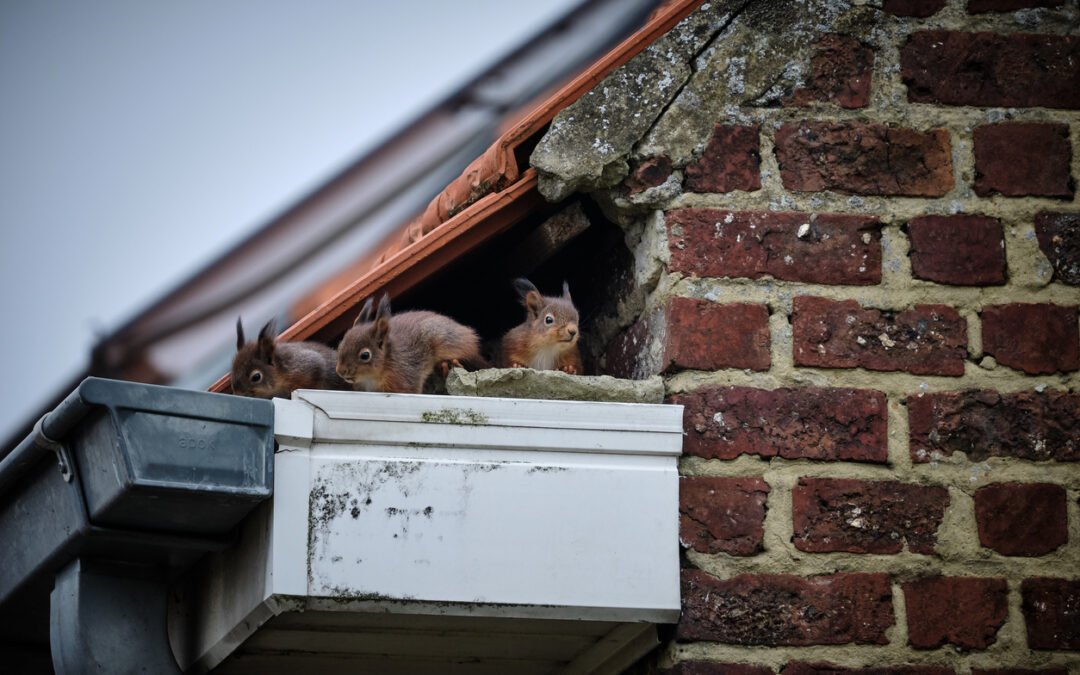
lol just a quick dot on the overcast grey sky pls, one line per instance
(139, 140)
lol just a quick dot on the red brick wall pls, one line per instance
(868, 309)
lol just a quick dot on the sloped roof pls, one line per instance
(493, 193)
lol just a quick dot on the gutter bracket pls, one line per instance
(63, 454)
(110, 619)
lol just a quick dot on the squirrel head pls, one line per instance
(255, 366)
(552, 319)
(363, 351)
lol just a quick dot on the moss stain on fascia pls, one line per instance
(455, 416)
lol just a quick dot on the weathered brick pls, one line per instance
(1018, 671)
(840, 72)
(1017, 159)
(962, 250)
(983, 423)
(1059, 239)
(926, 340)
(1022, 519)
(812, 248)
(802, 422)
(783, 609)
(963, 611)
(865, 516)
(1037, 338)
(975, 6)
(649, 173)
(713, 668)
(918, 8)
(1051, 610)
(865, 159)
(989, 69)
(830, 669)
(722, 515)
(732, 161)
(695, 334)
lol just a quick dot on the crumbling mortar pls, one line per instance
(899, 384)
(954, 16)
(779, 294)
(897, 436)
(693, 62)
(897, 633)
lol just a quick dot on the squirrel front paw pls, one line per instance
(515, 364)
(443, 367)
(569, 370)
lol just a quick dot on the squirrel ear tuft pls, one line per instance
(566, 291)
(524, 287)
(266, 341)
(268, 330)
(383, 312)
(365, 313)
(239, 334)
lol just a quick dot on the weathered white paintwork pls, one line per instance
(453, 506)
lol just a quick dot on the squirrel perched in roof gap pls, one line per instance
(267, 368)
(396, 353)
(548, 338)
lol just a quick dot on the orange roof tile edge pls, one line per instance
(451, 225)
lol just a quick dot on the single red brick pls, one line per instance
(919, 8)
(865, 516)
(1059, 239)
(975, 6)
(1016, 160)
(783, 609)
(963, 611)
(1037, 338)
(865, 159)
(722, 515)
(649, 173)
(794, 423)
(840, 71)
(989, 69)
(1022, 519)
(713, 668)
(732, 161)
(812, 248)
(1051, 610)
(926, 340)
(830, 669)
(982, 423)
(962, 250)
(696, 334)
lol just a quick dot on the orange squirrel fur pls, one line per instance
(548, 339)
(396, 353)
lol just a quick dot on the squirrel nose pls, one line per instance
(572, 330)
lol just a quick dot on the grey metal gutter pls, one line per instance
(119, 489)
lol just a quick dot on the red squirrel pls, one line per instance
(266, 368)
(397, 353)
(548, 338)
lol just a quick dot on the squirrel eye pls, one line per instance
(549, 319)
(365, 355)
(256, 377)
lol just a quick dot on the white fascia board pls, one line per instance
(456, 506)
